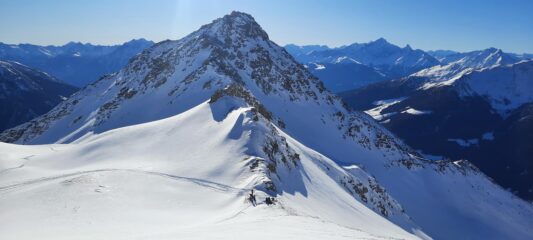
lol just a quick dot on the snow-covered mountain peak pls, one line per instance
(390, 58)
(480, 59)
(505, 87)
(380, 42)
(372, 47)
(232, 49)
(486, 58)
(456, 65)
(234, 26)
(136, 42)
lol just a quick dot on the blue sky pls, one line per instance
(452, 24)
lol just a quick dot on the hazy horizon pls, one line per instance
(283, 45)
(437, 25)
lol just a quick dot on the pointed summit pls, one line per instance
(234, 25)
(240, 15)
(380, 41)
(232, 49)
(491, 49)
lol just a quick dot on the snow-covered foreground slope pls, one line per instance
(285, 136)
(182, 177)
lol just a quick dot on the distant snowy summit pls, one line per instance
(360, 64)
(380, 60)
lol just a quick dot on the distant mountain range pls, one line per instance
(74, 63)
(475, 106)
(359, 64)
(26, 93)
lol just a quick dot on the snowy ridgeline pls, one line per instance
(234, 112)
(171, 186)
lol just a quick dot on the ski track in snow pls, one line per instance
(27, 158)
(202, 182)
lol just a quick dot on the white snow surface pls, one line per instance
(460, 64)
(505, 87)
(413, 111)
(345, 59)
(319, 66)
(381, 105)
(162, 183)
(442, 75)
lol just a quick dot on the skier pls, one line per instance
(269, 201)
(252, 198)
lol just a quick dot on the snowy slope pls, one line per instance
(481, 58)
(285, 135)
(182, 189)
(456, 65)
(505, 88)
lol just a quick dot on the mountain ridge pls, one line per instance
(381, 60)
(26, 93)
(75, 63)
